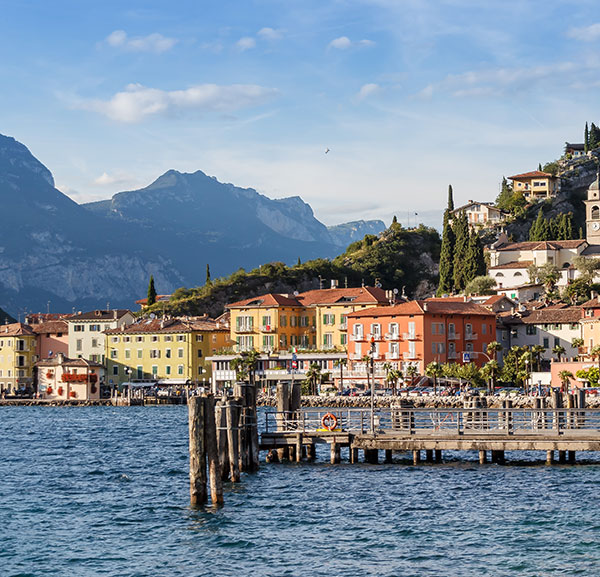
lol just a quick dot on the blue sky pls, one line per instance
(409, 95)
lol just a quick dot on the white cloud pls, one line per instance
(246, 43)
(368, 90)
(138, 102)
(156, 43)
(343, 43)
(585, 33)
(270, 34)
(106, 179)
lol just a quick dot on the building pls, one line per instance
(536, 185)
(159, 299)
(61, 378)
(481, 214)
(574, 150)
(86, 332)
(169, 351)
(52, 338)
(420, 332)
(313, 320)
(541, 324)
(17, 358)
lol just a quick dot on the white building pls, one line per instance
(86, 332)
(481, 214)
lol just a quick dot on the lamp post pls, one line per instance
(372, 358)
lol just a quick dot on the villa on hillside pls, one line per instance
(536, 185)
(481, 214)
(575, 150)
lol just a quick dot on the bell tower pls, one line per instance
(592, 213)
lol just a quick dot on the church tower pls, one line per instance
(592, 213)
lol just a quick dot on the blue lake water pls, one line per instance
(104, 491)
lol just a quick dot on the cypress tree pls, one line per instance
(540, 166)
(450, 198)
(151, 292)
(395, 220)
(504, 200)
(461, 232)
(581, 235)
(569, 227)
(208, 281)
(446, 257)
(535, 232)
(474, 262)
(586, 139)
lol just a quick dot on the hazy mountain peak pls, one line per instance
(16, 157)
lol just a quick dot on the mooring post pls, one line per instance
(221, 421)
(571, 456)
(388, 456)
(212, 451)
(562, 456)
(353, 454)
(233, 440)
(482, 457)
(197, 449)
(311, 452)
(335, 453)
(253, 429)
(416, 457)
(549, 457)
(429, 455)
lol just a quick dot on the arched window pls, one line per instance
(499, 274)
(518, 274)
(595, 213)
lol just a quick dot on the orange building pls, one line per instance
(420, 332)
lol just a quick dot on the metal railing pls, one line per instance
(513, 422)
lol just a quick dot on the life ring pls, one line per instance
(329, 421)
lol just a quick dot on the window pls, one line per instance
(328, 340)
(126, 339)
(168, 338)
(94, 343)
(199, 354)
(518, 273)
(139, 339)
(78, 328)
(115, 369)
(154, 354)
(343, 339)
(328, 319)
(394, 329)
(20, 361)
(266, 321)
(180, 353)
(469, 347)
(180, 369)
(556, 342)
(114, 339)
(127, 353)
(546, 343)
(180, 338)
(595, 213)
(283, 321)
(79, 344)
(358, 331)
(95, 328)
(441, 349)
(199, 338)
(167, 353)
(483, 329)
(154, 371)
(451, 330)
(139, 353)
(113, 353)
(268, 342)
(376, 330)
(530, 330)
(140, 372)
(167, 369)
(154, 338)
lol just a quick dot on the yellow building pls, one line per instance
(271, 323)
(536, 185)
(170, 351)
(17, 357)
(313, 320)
(331, 308)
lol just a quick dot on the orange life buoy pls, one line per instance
(329, 421)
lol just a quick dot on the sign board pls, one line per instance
(294, 364)
(466, 358)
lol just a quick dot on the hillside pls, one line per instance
(389, 259)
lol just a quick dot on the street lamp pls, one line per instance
(371, 358)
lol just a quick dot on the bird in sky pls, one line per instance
(326, 150)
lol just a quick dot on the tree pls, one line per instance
(594, 352)
(591, 375)
(151, 292)
(208, 281)
(461, 231)
(450, 198)
(412, 371)
(446, 282)
(392, 377)
(475, 260)
(313, 378)
(434, 370)
(341, 363)
(481, 285)
(565, 377)
(577, 343)
(559, 351)
(493, 349)
(490, 371)
(586, 139)
(536, 352)
(549, 275)
(504, 200)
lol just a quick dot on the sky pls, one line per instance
(409, 96)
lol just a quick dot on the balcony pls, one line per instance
(357, 337)
(375, 336)
(453, 355)
(392, 356)
(356, 356)
(453, 336)
(411, 337)
(244, 329)
(470, 336)
(392, 336)
(410, 356)
(268, 329)
(343, 327)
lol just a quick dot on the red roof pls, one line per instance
(532, 174)
(51, 327)
(151, 326)
(268, 300)
(513, 264)
(158, 299)
(542, 245)
(358, 295)
(448, 306)
(15, 330)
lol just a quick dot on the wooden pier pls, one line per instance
(429, 432)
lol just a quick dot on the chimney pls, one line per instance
(425, 306)
(115, 314)
(60, 357)
(594, 294)
(334, 283)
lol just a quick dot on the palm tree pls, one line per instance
(493, 349)
(434, 370)
(565, 377)
(525, 362)
(392, 377)
(490, 371)
(537, 351)
(559, 351)
(577, 343)
(313, 376)
(412, 371)
(341, 363)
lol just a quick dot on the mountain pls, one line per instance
(53, 250)
(344, 234)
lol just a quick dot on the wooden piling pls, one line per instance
(353, 454)
(429, 455)
(292, 452)
(438, 455)
(482, 457)
(221, 422)
(197, 448)
(549, 457)
(571, 457)
(299, 447)
(272, 456)
(497, 456)
(311, 452)
(562, 456)
(212, 451)
(335, 453)
(233, 440)
(388, 456)
(416, 457)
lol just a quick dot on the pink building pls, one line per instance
(60, 378)
(52, 338)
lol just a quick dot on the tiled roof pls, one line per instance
(152, 326)
(592, 303)
(513, 264)
(51, 327)
(541, 245)
(532, 174)
(99, 315)
(66, 362)
(358, 295)
(38, 318)
(268, 300)
(159, 298)
(552, 315)
(15, 330)
(448, 306)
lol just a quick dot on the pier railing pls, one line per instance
(437, 421)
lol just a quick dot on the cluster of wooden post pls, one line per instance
(223, 438)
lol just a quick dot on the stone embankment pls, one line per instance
(424, 402)
(47, 403)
